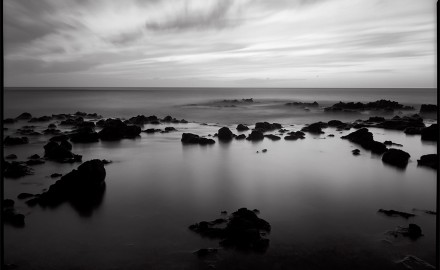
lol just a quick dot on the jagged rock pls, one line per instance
(315, 128)
(396, 157)
(365, 139)
(430, 133)
(265, 126)
(83, 188)
(396, 213)
(242, 127)
(15, 140)
(60, 152)
(428, 108)
(115, 129)
(255, 135)
(430, 160)
(225, 134)
(243, 230)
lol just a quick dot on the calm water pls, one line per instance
(321, 200)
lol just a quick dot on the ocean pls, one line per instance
(321, 201)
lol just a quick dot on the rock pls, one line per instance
(376, 119)
(24, 116)
(8, 121)
(52, 131)
(273, 137)
(52, 126)
(365, 139)
(240, 137)
(151, 130)
(389, 143)
(430, 160)
(411, 262)
(255, 135)
(142, 119)
(59, 138)
(402, 123)
(265, 126)
(15, 140)
(428, 108)
(189, 138)
(225, 134)
(169, 129)
(56, 175)
(243, 230)
(83, 188)
(8, 203)
(35, 156)
(264, 150)
(382, 104)
(10, 215)
(413, 130)
(430, 133)
(356, 152)
(84, 135)
(413, 231)
(116, 130)
(60, 152)
(335, 123)
(293, 136)
(330, 135)
(105, 161)
(15, 169)
(11, 156)
(242, 127)
(396, 213)
(32, 162)
(72, 121)
(24, 195)
(396, 157)
(306, 104)
(315, 128)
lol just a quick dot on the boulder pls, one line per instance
(15, 169)
(430, 160)
(356, 152)
(10, 215)
(255, 135)
(365, 139)
(396, 157)
(265, 126)
(11, 156)
(413, 130)
(84, 135)
(428, 108)
(225, 134)
(242, 127)
(40, 119)
(272, 137)
(115, 129)
(60, 152)
(315, 128)
(240, 137)
(15, 140)
(293, 136)
(24, 195)
(24, 116)
(189, 138)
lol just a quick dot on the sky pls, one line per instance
(220, 43)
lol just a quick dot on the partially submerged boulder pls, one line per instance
(265, 126)
(428, 108)
(225, 134)
(255, 135)
(365, 139)
(243, 230)
(24, 116)
(84, 135)
(272, 137)
(396, 157)
(430, 160)
(315, 128)
(293, 136)
(60, 152)
(10, 215)
(115, 129)
(242, 127)
(189, 138)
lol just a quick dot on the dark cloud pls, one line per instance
(189, 20)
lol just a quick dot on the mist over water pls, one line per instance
(320, 200)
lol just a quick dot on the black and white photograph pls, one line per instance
(219, 134)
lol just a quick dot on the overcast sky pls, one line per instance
(220, 43)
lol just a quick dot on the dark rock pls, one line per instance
(142, 120)
(86, 124)
(56, 175)
(389, 143)
(402, 123)
(428, 108)
(151, 130)
(8, 121)
(330, 135)
(242, 127)
(116, 130)
(264, 150)
(365, 139)
(396, 213)
(169, 129)
(51, 126)
(15, 169)
(430, 160)
(376, 119)
(11, 156)
(413, 231)
(52, 131)
(413, 130)
(307, 104)
(84, 135)
(11, 216)
(315, 128)
(24, 116)
(59, 138)
(243, 230)
(224, 212)
(265, 126)
(382, 104)
(35, 156)
(273, 137)
(225, 134)
(396, 157)
(430, 133)
(15, 140)
(105, 161)
(335, 123)
(72, 121)
(356, 152)
(32, 162)
(8, 203)
(24, 195)
(83, 188)
(189, 138)
(255, 135)
(60, 152)
(66, 145)
(240, 137)
(293, 136)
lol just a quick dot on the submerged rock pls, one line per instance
(365, 139)
(315, 128)
(396, 157)
(189, 138)
(83, 188)
(15, 140)
(243, 230)
(430, 160)
(293, 136)
(396, 213)
(265, 126)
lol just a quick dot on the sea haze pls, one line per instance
(319, 198)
